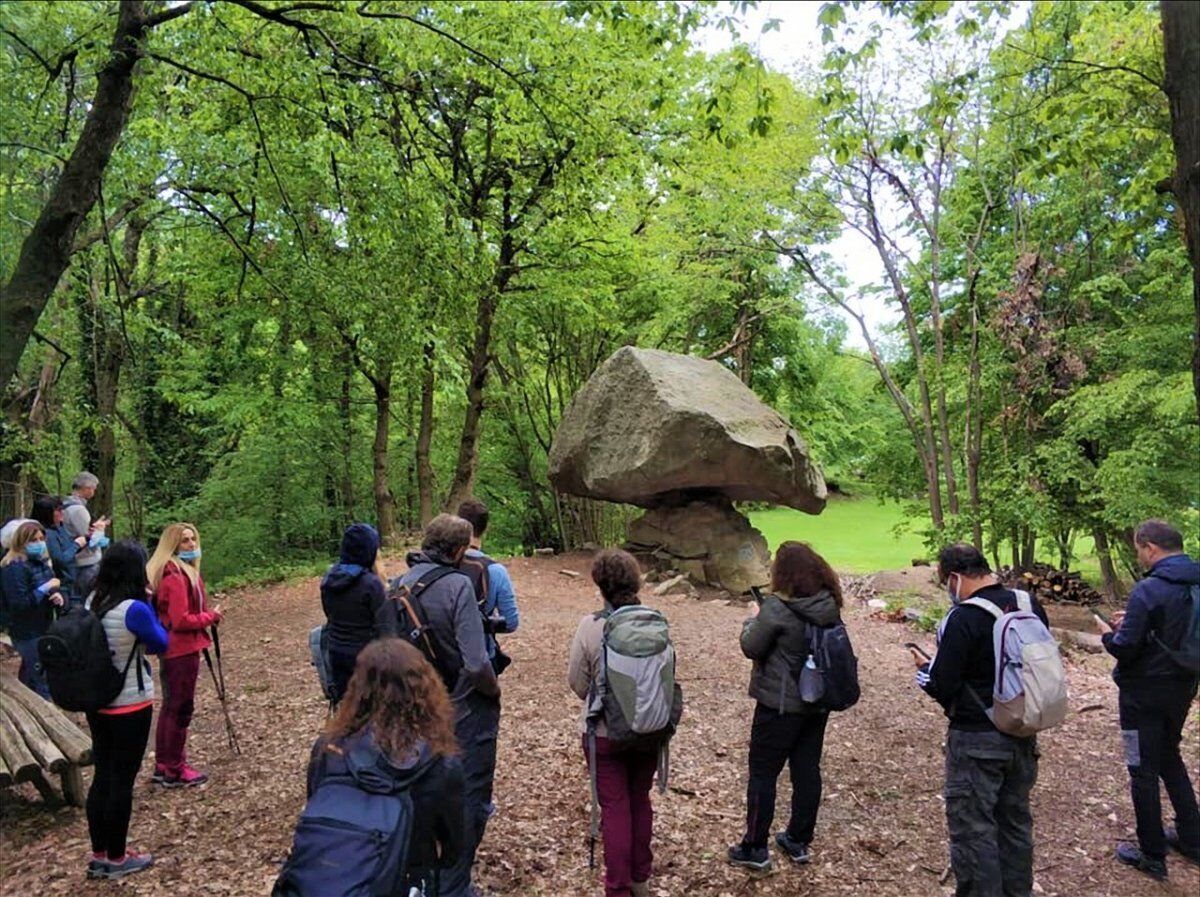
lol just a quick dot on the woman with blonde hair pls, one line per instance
(174, 575)
(390, 749)
(30, 591)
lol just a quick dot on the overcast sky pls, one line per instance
(795, 45)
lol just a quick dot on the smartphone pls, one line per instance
(915, 647)
(757, 595)
(1103, 619)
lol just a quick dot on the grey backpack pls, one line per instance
(635, 692)
(1030, 693)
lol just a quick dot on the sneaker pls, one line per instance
(797, 851)
(133, 862)
(98, 866)
(159, 777)
(1131, 855)
(1172, 836)
(186, 779)
(756, 858)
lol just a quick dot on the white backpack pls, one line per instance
(1030, 693)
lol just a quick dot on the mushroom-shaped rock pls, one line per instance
(654, 429)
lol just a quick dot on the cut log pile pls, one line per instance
(37, 738)
(1051, 585)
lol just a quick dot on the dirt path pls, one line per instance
(881, 829)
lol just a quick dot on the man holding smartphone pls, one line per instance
(989, 774)
(78, 521)
(1156, 685)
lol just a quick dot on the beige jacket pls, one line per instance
(584, 665)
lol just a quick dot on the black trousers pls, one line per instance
(989, 776)
(118, 745)
(1152, 716)
(476, 727)
(775, 739)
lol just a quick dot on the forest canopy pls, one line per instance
(274, 267)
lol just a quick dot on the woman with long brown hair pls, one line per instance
(389, 750)
(785, 730)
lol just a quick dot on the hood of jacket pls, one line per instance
(1178, 568)
(416, 558)
(72, 500)
(340, 577)
(819, 608)
(375, 772)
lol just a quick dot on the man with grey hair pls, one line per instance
(78, 521)
(443, 597)
(1157, 647)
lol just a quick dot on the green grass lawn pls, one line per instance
(855, 536)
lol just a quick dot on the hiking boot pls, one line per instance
(1172, 836)
(756, 858)
(133, 862)
(1131, 855)
(639, 889)
(797, 851)
(159, 777)
(186, 779)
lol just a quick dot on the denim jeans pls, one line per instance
(30, 674)
(989, 776)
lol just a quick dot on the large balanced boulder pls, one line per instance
(656, 429)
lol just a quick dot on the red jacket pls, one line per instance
(181, 611)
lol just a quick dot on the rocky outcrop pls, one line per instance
(708, 540)
(656, 429)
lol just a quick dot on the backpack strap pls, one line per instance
(408, 595)
(984, 604)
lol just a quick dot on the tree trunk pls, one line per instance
(1108, 572)
(346, 418)
(385, 502)
(46, 250)
(468, 446)
(1181, 49)
(974, 436)
(425, 437)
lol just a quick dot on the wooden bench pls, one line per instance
(36, 739)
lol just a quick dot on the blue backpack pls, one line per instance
(349, 842)
(1187, 655)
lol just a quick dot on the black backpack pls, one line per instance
(828, 680)
(78, 663)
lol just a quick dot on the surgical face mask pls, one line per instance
(193, 555)
(36, 549)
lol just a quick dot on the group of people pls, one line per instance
(58, 561)
(415, 664)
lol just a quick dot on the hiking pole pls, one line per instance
(218, 678)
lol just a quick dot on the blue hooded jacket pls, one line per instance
(352, 595)
(1158, 607)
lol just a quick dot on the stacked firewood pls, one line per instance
(1051, 585)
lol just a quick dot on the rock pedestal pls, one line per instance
(706, 539)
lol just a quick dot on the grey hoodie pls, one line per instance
(78, 519)
(777, 641)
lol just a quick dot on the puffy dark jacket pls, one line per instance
(776, 639)
(1157, 606)
(435, 784)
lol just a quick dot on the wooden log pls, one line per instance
(1085, 641)
(45, 789)
(72, 786)
(39, 743)
(75, 744)
(5, 775)
(16, 755)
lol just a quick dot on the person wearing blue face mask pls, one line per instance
(31, 594)
(182, 604)
(48, 511)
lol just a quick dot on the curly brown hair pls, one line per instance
(618, 575)
(798, 570)
(396, 691)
